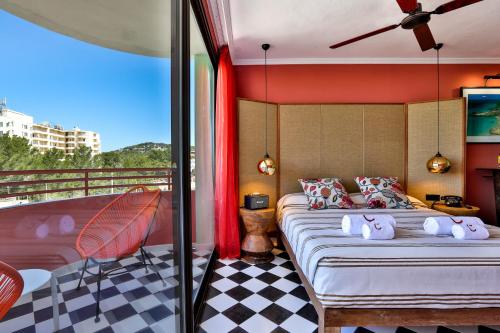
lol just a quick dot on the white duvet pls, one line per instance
(413, 270)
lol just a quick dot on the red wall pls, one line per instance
(379, 84)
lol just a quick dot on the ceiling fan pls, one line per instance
(416, 20)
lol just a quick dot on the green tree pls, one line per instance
(53, 159)
(110, 159)
(81, 158)
(160, 158)
(135, 160)
(16, 153)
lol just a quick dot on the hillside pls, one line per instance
(144, 147)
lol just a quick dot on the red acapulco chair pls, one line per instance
(117, 231)
(11, 287)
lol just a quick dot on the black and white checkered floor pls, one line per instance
(270, 298)
(241, 298)
(135, 301)
(257, 298)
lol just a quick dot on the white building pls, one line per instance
(15, 123)
(45, 136)
(78, 137)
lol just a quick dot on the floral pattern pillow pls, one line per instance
(324, 193)
(381, 192)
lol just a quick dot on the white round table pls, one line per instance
(34, 279)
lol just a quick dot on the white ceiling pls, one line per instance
(301, 31)
(141, 27)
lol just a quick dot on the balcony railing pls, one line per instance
(32, 183)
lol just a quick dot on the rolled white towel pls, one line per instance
(352, 223)
(441, 225)
(468, 230)
(377, 230)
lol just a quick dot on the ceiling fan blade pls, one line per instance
(424, 37)
(452, 5)
(373, 33)
(407, 6)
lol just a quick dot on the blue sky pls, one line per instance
(124, 97)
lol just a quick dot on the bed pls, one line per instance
(415, 279)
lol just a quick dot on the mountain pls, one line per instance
(145, 147)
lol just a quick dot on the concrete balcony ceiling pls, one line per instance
(140, 27)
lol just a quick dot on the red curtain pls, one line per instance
(227, 238)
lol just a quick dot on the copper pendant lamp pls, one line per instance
(438, 163)
(266, 166)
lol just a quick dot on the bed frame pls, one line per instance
(330, 320)
(348, 143)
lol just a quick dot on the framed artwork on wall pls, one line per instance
(483, 114)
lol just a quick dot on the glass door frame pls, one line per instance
(180, 121)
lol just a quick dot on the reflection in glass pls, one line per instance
(202, 152)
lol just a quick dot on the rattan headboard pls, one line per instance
(422, 145)
(349, 140)
(340, 140)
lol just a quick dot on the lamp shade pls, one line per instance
(266, 166)
(438, 164)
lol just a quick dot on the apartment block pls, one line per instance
(78, 137)
(46, 136)
(14, 123)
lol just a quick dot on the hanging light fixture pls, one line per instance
(266, 166)
(438, 163)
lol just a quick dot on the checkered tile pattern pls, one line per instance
(134, 301)
(257, 298)
(269, 297)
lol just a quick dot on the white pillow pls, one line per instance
(293, 199)
(358, 199)
(300, 198)
(415, 202)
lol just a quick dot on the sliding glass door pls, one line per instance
(202, 154)
(106, 163)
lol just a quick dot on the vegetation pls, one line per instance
(17, 154)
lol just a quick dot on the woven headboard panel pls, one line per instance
(422, 145)
(252, 147)
(340, 140)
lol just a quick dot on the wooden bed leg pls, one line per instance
(321, 325)
(279, 243)
(323, 329)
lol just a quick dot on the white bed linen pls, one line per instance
(414, 270)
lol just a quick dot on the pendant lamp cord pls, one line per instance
(265, 79)
(438, 96)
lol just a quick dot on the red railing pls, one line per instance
(11, 186)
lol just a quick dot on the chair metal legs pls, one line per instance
(101, 274)
(143, 257)
(153, 267)
(99, 278)
(97, 309)
(83, 272)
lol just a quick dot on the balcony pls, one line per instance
(41, 230)
(56, 204)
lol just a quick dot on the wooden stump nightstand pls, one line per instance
(457, 211)
(256, 245)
